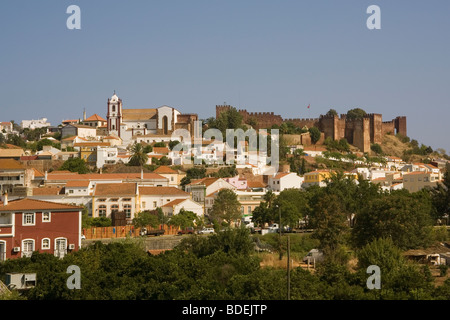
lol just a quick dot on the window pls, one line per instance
(127, 209)
(27, 247)
(28, 219)
(102, 211)
(115, 208)
(45, 244)
(127, 199)
(45, 216)
(155, 204)
(101, 200)
(249, 210)
(70, 191)
(114, 200)
(143, 204)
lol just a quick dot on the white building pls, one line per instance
(128, 124)
(174, 207)
(285, 180)
(151, 198)
(33, 124)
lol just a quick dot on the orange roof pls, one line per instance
(256, 184)
(37, 173)
(204, 181)
(174, 202)
(281, 175)
(95, 117)
(92, 144)
(10, 164)
(161, 150)
(77, 184)
(27, 204)
(416, 172)
(47, 191)
(150, 191)
(115, 189)
(102, 176)
(164, 169)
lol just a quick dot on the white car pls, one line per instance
(206, 231)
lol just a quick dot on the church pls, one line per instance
(157, 124)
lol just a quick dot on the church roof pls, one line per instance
(138, 114)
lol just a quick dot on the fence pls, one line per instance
(123, 231)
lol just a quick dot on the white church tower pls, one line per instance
(114, 115)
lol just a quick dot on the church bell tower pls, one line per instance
(114, 115)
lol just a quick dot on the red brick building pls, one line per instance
(28, 225)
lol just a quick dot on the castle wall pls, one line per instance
(359, 132)
(388, 126)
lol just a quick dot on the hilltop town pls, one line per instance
(144, 171)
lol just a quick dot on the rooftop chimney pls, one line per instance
(5, 198)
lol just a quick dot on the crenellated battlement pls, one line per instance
(359, 132)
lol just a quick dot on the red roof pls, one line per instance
(95, 117)
(27, 204)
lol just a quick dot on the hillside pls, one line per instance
(393, 146)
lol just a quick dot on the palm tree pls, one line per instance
(138, 155)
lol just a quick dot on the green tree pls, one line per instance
(146, 218)
(375, 147)
(329, 222)
(356, 113)
(332, 112)
(315, 134)
(183, 219)
(440, 196)
(226, 207)
(138, 155)
(403, 217)
(75, 165)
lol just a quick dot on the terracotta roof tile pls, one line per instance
(77, 184)
(10, 164)
(115, 189)
(164, 169)
(95, 117)
(27, 204)
(174, 202)
(47, 191)
(150, 191)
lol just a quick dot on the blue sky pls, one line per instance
(273, 56)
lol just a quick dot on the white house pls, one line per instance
(174, 207)
(202, 187)
(151, 198)
(285, 180)
(33, 124)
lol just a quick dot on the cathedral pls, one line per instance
(129, 124)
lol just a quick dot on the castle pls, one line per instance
(359, 132)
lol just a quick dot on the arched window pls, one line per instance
(27, 247)
(45, 244)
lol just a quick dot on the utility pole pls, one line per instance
(288, 268)
(279, 229)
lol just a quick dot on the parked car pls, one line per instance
(188, 230)
(206, 231)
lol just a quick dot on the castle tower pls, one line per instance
(114, 115)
